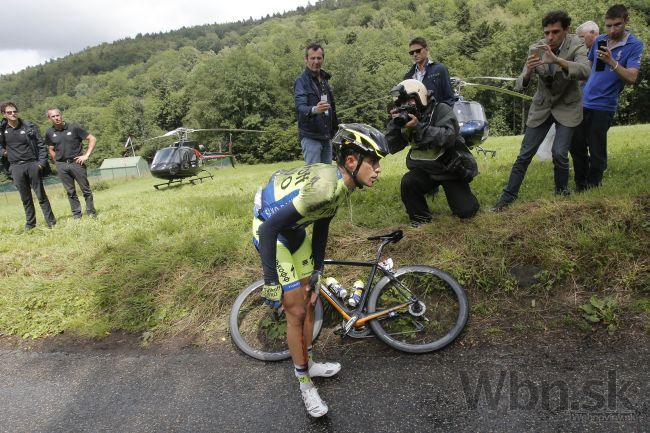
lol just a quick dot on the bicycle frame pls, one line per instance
(356, 317)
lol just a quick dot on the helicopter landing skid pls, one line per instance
(178, 182)
(208, 175)
(479, 149)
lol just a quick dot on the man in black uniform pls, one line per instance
(64, 141)
(27, 155)
(438, 154)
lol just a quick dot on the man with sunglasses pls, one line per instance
(27, 155)
(615, 63)
(559, 61)
(433, 75)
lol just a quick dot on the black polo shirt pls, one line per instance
(67, 142)
(16, 141)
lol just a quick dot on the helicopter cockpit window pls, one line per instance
(466, 111)
(165, 155)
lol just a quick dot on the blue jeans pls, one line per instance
(316, 151)
(589, 148)
(532, 140)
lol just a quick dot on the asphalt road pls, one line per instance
(530, 387)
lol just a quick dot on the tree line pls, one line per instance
(240, 75)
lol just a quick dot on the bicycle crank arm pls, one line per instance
(348, 325)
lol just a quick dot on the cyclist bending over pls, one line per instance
(292, 263)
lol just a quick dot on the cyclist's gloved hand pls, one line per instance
(314, 286)
(314, 281)
(272, 294)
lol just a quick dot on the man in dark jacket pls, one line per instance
(433, 75)
(27, 156)
(317, 121)
(438, 154)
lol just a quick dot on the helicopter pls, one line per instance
(184, 158)
(474, 126)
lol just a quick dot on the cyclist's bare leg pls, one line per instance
(300, 321)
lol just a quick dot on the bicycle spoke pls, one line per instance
(260, 331)
(261, 327)
(432, 315)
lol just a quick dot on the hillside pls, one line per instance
(241, 74)
(163, 263)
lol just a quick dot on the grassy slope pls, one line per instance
(165, 262)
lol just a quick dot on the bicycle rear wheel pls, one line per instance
(258, 330)
(429, 324)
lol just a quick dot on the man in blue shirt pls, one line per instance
(615, 61)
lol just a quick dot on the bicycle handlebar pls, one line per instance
(394, 237)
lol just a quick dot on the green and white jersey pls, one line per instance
(315, 190)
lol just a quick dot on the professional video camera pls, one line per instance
(410, 97)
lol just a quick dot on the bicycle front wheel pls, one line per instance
(261, 332)
(436, 315)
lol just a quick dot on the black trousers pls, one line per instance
(417, 183)
(589, 148)
(28, 175)
(69, 172)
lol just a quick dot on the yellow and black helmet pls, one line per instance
(360, 138)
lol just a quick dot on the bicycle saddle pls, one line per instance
(391, 237)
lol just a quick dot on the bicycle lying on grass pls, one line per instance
(415, 309)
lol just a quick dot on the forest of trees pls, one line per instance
(241, 75)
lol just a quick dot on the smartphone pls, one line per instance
(536, 51)
(600, 65)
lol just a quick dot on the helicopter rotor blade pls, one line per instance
(493, 78)
(226, 130)
(152, 138)
(499, 89)
(174, 132)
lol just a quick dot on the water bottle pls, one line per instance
(387, 264)
(335, 287)
(355, 296)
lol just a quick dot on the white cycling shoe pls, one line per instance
(324, 369)
(315, 406)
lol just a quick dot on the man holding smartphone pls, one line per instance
(559, 61)
(315, 107)
(616, 60)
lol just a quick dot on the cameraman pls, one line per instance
(438, 155)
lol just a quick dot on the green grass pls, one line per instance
(167, 262)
